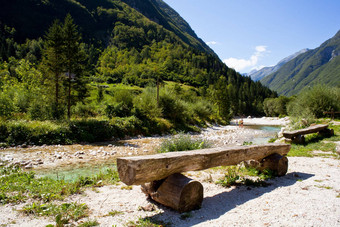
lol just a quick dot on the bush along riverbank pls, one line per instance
(23, 132)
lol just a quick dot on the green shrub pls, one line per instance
(39, 110)
(7, 107)
(173, 108)
(314, 101)
(119, 109)
(91, 130)
(182, 142)
(146, 103)
(84, 110)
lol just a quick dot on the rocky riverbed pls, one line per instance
(59, 157)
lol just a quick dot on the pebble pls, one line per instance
(29, 166)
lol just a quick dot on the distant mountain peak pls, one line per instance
(316, 66)
(265, 71)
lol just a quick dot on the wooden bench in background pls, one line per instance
(161, 178)
(297, 136)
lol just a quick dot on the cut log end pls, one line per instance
(177, 192)
(276, 163)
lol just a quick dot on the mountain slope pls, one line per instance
(161, 13)
(320, 65)
(31, 18)
(259, 74)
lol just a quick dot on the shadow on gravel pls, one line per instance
(220, 204)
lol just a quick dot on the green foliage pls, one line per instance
(17, 186)
(275, 107)
(236, 175)
(36, 132)
(315, 101)
(89, 223)
(148, 222)
(314, 142)
(182, 142)
(45, 78)
(146, 103)
(317, 66)
(311, 104)
(63, 213)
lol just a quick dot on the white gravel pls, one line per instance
(307, 196)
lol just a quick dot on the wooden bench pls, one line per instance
(297, 136)
(161, 178)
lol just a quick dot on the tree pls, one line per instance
(74, 56)
(54, 59)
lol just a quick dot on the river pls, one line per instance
(71, 161)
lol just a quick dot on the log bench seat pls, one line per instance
(297, 136)
(161, 178)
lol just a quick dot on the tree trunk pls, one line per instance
(176, 191)
(69, 97)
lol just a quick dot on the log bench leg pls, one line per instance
(300, 139)
(276, 163)
(176, 191)
(327, 132)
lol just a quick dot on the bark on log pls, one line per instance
(176, 191)
(142, 169)
(276, 163)
(311, 129)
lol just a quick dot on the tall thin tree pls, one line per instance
(54, 58)
(74, 56)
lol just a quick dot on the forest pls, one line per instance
(143, 80)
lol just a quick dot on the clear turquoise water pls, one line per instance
(74, 173)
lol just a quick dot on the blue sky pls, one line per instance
(250, 34)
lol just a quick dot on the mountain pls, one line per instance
(259, 74)
(317, 66)
(31, 18)
(161, 13)
(132, 42)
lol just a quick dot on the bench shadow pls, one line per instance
(222, 203)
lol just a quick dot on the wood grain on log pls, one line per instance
(311, 129)
(276, 163)
(178, 192)
(142, 169)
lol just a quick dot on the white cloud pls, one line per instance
(241, 64)
(212, 43)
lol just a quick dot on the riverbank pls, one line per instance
(61, 157)
(309, 195)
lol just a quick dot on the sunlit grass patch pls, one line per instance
(235, 175)
(182, 142)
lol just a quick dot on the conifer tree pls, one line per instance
(54, 59)
(74, 57)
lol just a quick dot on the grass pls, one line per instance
(18, 186)
(182, 142)
(148, 222)
(63, 213)
(236, 175)
(113, 213)
(89, 223)
(315, 142)
(324, 187)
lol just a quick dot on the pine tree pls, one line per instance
(74, 57)
(54, 59)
